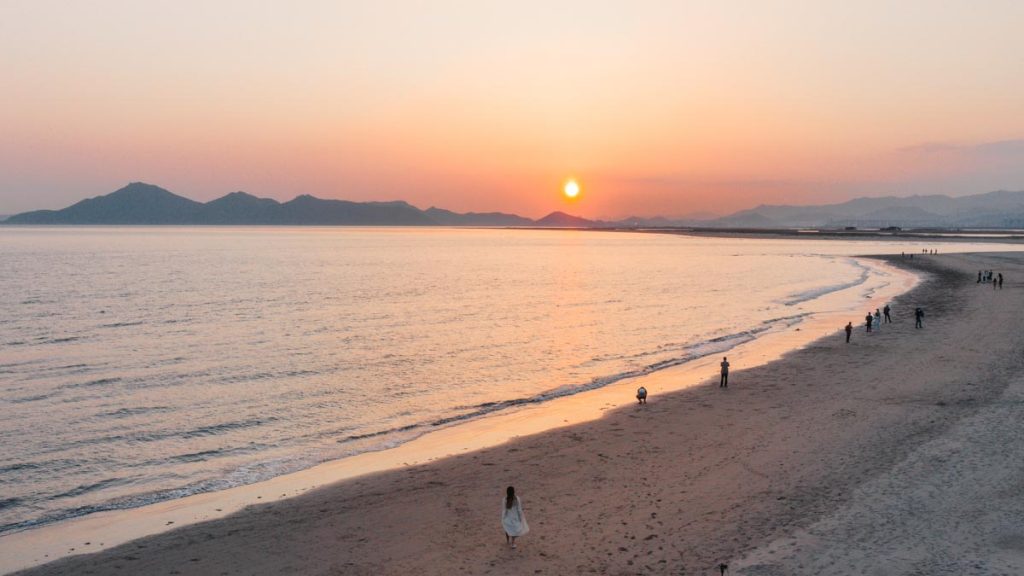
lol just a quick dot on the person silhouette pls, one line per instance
(885, 311)
(849, 330)
(512, 518)
(641, 395)
(918, 316)
(868, 319)
(1000, 280)
(724, 382)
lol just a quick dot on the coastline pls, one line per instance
(31, 547)
(697, 477)
(927, 236)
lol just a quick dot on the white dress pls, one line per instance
(513, 519)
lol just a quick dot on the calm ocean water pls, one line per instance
(141, 364)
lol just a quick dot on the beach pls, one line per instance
(895, 454)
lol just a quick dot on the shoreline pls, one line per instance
(696, 477)
(45, 543)
(998, 236)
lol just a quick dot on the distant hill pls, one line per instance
(449, 218)
(136, 203)
(308, 210)
(239, 208)
(1000, 209)
(140, 203)
(563, 220)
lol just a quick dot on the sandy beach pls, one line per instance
(898, 453)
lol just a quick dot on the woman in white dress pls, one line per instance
(512, 518)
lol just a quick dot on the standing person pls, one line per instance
(512, 518)
(1000, 280)
(918, 316)
(885, 311)
(724, 382)
(849, 330)
(867, 320)
(878, 319)
(979, 276)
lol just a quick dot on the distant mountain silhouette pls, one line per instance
(136, 203)
(239, 208)
(140, 203)
(449, 218)
(308, 210)
(746, 219)
(563, 220)
(1000, 209)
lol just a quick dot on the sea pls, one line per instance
(142, 364)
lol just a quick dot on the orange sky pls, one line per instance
(656, 107)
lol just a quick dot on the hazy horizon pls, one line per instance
(656, 108)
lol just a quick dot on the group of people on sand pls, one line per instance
(873, 322)
(986, 276)
(923, 251)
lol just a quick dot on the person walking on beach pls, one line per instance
(512, 518)
(878, 319)
(641, 395)
(849, 330)
(868, 319)
(885, 311)
(918, 316)
(724, 382)
(1000, 280)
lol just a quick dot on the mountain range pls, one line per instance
(140, 203)
(1000, 209)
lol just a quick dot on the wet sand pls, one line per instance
(838, 459)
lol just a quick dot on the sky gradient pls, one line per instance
(655, 107)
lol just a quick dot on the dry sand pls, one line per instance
(899, 453)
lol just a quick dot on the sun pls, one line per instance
(571, 189)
